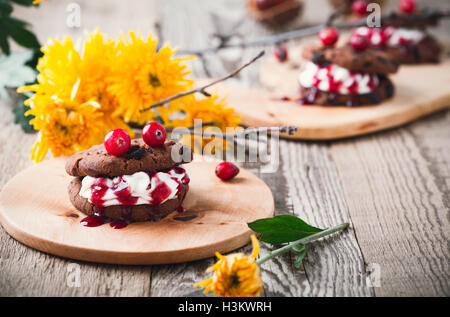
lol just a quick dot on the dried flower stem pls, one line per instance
(209, 134)
(202, 89)
(302, 241)
(195, 126)
(303, 32)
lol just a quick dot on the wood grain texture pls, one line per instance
(218, 214)
(27, 272)
(318, 277)
(399, 213)
(413, 99)
(334, 266)
(24, 271)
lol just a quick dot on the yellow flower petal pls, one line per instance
(235, 275)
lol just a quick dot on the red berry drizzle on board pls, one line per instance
(122, 192)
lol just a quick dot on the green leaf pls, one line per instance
(17, 23)
(300, 257)
(5, 8)
(20, 118)
(282, 229)
(298, 247)
(4, 45)
(37, 53)
(17, 30)
(14, 72)
(23, 2)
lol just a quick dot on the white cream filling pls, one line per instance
(395, 35)
(409, 35)
(311, 73)
(138, 185)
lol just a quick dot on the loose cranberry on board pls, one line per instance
(226, 170)
(281, 53)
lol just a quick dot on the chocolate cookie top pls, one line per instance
(367, 61)
(419, 20)
(96, 161)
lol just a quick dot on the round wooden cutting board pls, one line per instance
(420, 90)
(35, 209)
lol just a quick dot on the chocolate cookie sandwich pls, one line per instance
(404, 35)
(275, 12)
(351, 75)
(130, 180)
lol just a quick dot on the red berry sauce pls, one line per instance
(122, 192)
(92, 221)
(281, 53)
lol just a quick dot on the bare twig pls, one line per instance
(202, 89)
(238, 134)
(312, 30)
(336, 14)
(195, 126)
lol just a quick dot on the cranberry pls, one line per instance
(117, 142)
(360, 7)
(226, 170)
(281, 53)
(359, 42)
(329, 36)
(407, 6)
(154, 134)
(379, 38)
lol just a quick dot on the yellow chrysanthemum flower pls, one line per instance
(235, 275)
(210, 110)
(97, 55)
(141, 76)
(65, 126)
(59, 69)
(70, 79)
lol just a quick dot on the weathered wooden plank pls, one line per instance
(27, 272)
(319, 275)
(334, 266)
(394, 186)
(24, 271)
(398, 210)
(197, 23)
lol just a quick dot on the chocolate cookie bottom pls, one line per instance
(123, 212)
(314, 96)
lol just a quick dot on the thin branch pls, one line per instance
(238, 134)
(336, 14)
(202, 89)
(312, 30)
(195, 126)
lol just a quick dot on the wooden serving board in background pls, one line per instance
(35, 209)
(420, 90)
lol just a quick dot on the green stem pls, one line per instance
(303, 241)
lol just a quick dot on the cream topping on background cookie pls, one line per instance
(391, 36)
(402, 36)
(337, 79)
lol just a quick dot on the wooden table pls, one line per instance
(393, 186)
